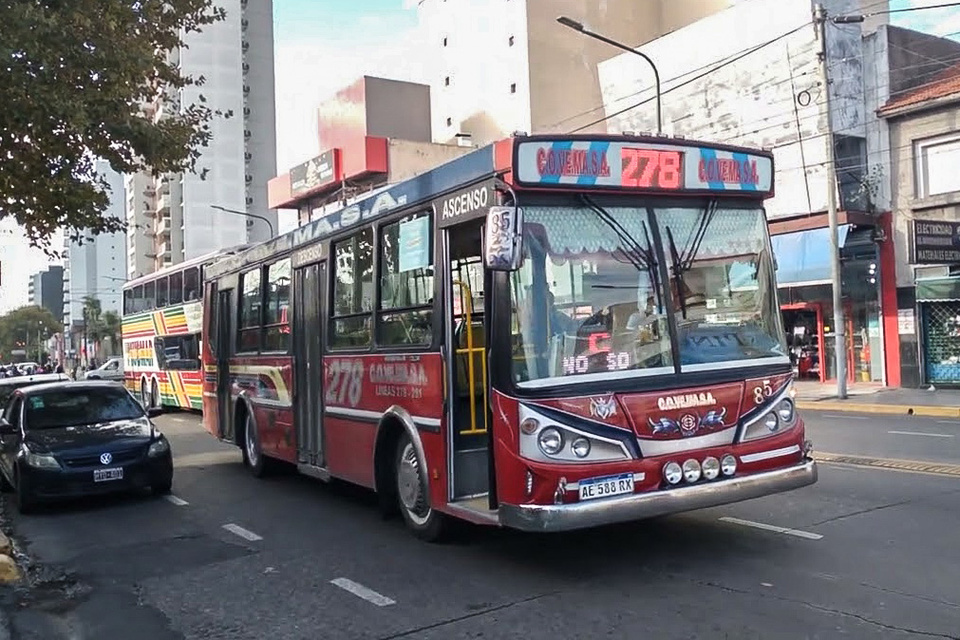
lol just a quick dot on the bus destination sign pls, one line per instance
(641, 165)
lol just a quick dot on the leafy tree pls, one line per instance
(111, 325)
(76, 80)
(20, 328)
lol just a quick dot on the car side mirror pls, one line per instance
(6, 429)
(153, 412)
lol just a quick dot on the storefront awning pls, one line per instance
(803, 257)
(938, 289)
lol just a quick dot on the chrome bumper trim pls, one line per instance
(583, 515)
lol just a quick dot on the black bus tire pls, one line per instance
(422, 519)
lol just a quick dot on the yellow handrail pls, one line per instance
(466, 298)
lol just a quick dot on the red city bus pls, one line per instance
(549, 333)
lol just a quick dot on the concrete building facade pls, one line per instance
(174, 216)
(45, 289)
(505, 66)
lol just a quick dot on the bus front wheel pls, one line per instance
(425, 522)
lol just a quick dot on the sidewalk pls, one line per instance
(871, 398)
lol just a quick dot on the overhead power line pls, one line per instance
(945, 5)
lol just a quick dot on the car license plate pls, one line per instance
(103, 475)
(593, 488)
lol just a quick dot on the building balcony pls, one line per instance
(163, 227)
(163, 251)
(163, 205)
(150, 212)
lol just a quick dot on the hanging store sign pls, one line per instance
(935, 242)
(318, 172)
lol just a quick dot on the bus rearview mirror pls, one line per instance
(503, 246)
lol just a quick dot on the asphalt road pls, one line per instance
(885, 436)
(870, 554)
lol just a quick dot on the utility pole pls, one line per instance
(820, 19)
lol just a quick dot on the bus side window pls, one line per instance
(150, 296)
(191, 285)
(406, 282)
(128, 301)
(138, 304)
(176, 288)
(162, 293)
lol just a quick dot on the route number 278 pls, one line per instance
(650, 168)
(344, 382)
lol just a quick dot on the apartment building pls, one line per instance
(507, 65)
(45, 289)
(95, 266)
(174, 217)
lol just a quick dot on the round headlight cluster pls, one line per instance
(785, 410)
(530, 426)
(550, 441)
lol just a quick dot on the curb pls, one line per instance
(892, 464)
(845, 406)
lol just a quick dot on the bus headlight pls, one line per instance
(786, 410)
(580, 447)
(691, 470)
(550, 441)
(672, 473)
(711, 468)
(543, 439)
(779, 417)
(728, 465)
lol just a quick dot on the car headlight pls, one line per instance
(158, 448)
(40, 460)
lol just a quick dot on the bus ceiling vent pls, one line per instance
(519, 134)
(464, 140)
(679, 137)
(628, 133)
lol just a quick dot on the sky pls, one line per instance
(323, 45)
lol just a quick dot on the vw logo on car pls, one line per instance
(106, 458)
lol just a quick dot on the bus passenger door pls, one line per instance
(466, 349)
(308, 334)
(224, 333)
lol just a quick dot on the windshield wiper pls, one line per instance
(639, 257)
(683, 262)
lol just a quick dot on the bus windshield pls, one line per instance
(591, 298)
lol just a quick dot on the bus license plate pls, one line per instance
(103, 475)
(593, 488)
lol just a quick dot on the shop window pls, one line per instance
(176, 288)
(178, 353)
(251, 300)
(406, 282)
(352, 291)
(276, 335)
(937, 162)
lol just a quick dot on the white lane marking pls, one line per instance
(837, 417)
(172, 499)
(243, 533)
(178, 419)
(361, 591)
(953, 422)
(920, 433)
(774, 528)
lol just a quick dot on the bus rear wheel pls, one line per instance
(425, 522)
(252, 453)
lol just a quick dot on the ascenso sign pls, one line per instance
(649, 166)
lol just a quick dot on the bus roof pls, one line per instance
(453, 175)
(186, 264)
(486, 163)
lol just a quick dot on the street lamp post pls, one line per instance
(249, 215)
(578, 26)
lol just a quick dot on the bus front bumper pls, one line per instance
(584, 515)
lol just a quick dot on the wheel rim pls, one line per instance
(410, 485)
(250, 435)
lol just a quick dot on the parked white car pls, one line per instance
(112, 369)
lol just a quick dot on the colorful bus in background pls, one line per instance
(162, 317)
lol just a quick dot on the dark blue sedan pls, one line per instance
(70, 439)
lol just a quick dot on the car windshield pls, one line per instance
(83, 406)
(590, 299)
(9, 385)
